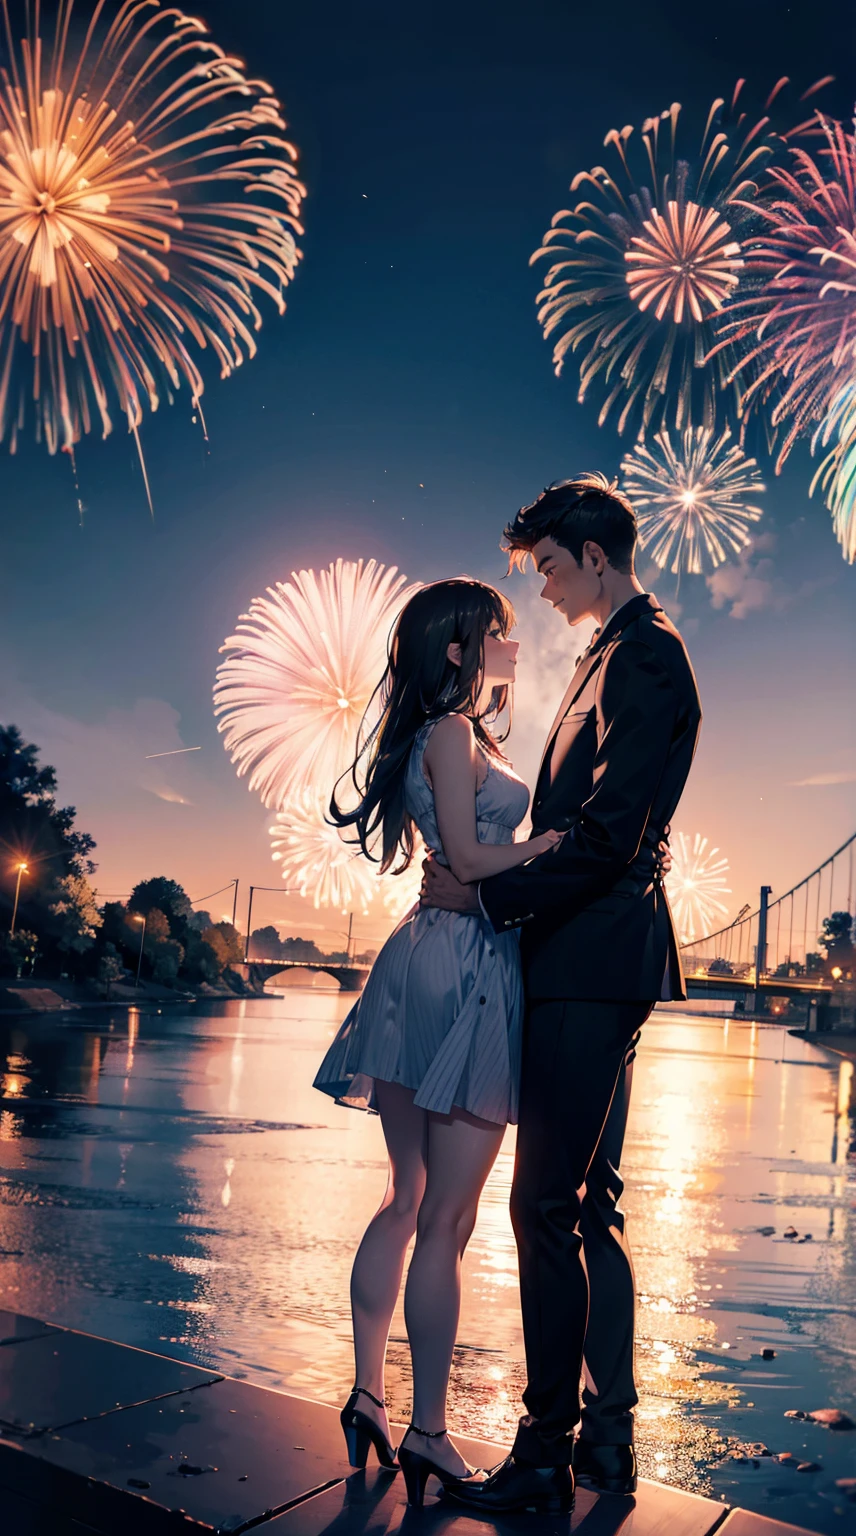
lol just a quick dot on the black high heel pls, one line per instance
(418, 1468)
(361, 1432)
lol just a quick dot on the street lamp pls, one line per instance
(138, 917)
(23, 869)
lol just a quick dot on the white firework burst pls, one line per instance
(321, 863)
(695, 500)
(300, 672)
(696, 885)
(315, 859)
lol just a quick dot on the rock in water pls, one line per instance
(832, 1418)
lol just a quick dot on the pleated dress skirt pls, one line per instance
(442, 1014)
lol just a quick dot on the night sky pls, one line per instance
(402, 409)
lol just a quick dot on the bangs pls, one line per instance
(500, 611)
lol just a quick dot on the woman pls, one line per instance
(434, 1042)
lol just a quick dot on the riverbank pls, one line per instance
(24, 996)
(97, 1437)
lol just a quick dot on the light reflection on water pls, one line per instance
(175, 1182)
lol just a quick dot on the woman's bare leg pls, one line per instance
(461, 1152)
(378, 1266)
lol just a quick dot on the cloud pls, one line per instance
(171, 796)
(746, 586)
(545, 665)
(836, 776)
(104, 760)
(752, 584)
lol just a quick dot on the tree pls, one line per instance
(813, 963)
(300, 949)
(157, 930)
(265, 944)
(35, 830)
(232, 940)
(199, 921)
(169, 897)
(205, 955)
(167, 962)
(216, 942)
(720, 967)
(75, 918)
(17, 950)
(836, 940)
(110, 968)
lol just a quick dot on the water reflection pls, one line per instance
(173, 1181)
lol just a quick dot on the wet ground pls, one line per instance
(173, 1181)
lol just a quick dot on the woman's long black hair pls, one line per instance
(421, 684)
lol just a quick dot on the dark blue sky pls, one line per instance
(436, 143)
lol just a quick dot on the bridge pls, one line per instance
(351, 977)
(767, 958)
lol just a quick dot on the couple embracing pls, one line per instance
(515, 992)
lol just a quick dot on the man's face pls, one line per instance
(571, 588)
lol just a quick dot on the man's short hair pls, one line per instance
(571, 512)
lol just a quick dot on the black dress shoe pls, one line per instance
(517, 1485)
(605, 1468)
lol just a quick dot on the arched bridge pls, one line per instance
(774, 952)
(351, 977)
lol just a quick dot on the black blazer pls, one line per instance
(596, 922)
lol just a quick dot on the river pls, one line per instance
(172, 1180)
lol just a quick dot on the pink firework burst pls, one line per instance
(796, 326)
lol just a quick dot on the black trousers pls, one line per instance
(576, 1275)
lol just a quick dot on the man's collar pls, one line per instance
(642, 602)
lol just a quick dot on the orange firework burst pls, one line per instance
(148, 200)
(686, 260)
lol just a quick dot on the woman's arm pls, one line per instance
(452, 759)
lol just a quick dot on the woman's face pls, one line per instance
(500, 659)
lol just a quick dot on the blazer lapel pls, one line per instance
(626, 613)
(573, 690)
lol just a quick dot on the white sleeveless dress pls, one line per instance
(442, 1009)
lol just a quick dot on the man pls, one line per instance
(598, 949)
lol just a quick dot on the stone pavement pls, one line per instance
(97, 1439)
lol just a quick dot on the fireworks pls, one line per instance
(316, 860)
(640, 269)
(300, 672)
(837, 473)
(797, 323)
(686, 261)
(696, 884)
(693, 500)
(148, 201)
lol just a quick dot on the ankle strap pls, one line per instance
(379, 1402)
(429, 1434)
